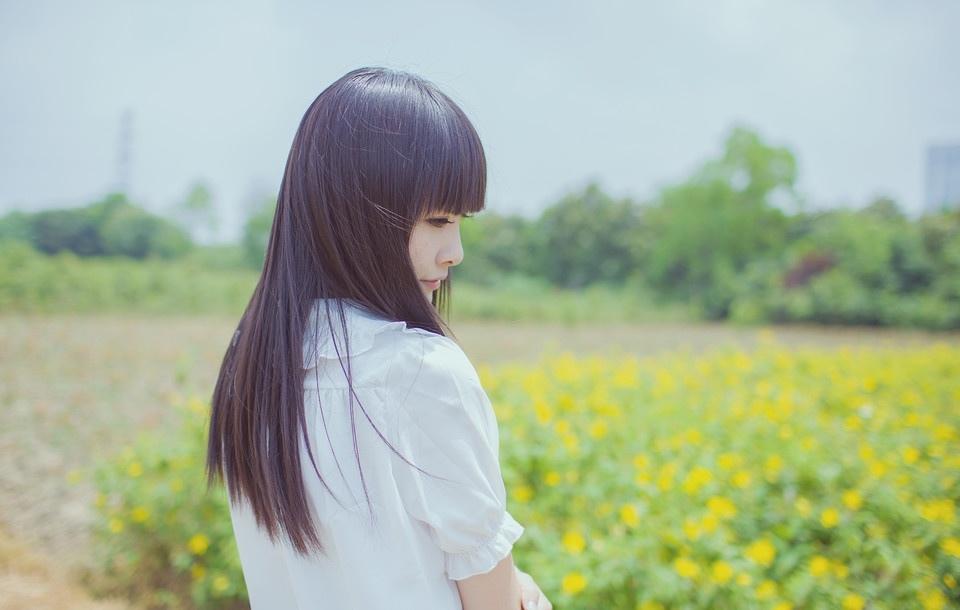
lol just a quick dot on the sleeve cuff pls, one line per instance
(483, 558)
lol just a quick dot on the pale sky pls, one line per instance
(633, 94)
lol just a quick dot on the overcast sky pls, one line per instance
(633, 94)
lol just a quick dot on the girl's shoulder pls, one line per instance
(426, 357)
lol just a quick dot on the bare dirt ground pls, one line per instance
(75, 388)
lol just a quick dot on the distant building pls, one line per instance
(943, 178)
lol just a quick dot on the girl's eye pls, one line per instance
(440, 221)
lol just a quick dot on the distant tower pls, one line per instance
(124, 148)
(943, 178)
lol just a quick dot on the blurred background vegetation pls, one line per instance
(748, 479)
(733, 241)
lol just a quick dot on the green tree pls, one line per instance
(197, 214)
(17, 226)
(587, 238)
(700, 234)
(495, 245)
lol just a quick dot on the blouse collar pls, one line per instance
(363, 326)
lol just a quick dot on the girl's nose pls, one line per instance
(452, 253)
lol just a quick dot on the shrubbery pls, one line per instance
(162, 539)
(36, 283)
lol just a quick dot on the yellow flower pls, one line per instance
(951, 546)
(710, 522)
(782, 606)
(761, 552)
(840, 569)
(744, 579)
(741, 479)
(573, 583)
(665, 482)
(694, 436)
(773, 466)
(853, 422)
(650, 605)
(829, 517)
(766, 589)
(949, 580)
(220, 583)
(729, 461)
(641, 461)
(721, 507)
(852, 499)
(819, 565)
(852, 601)
(198, 544)
(629, 515)
(135, 469)
(139, 514)
(910, 454)
(803, 506)
(691, 529)
(598, 429)
(553, 478)
(686, 567)
(197, 571)
(932, 599)
(721, 571)
(523, 493)
(565, 367)
(543, 411)
(696, 478)
(938, 510)
(571, 442)
(878, 468)
(574, 542)
(116, 525)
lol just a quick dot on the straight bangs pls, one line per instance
(453, 175)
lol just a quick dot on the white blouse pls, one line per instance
(424, 396)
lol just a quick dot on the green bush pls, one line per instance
(36, 283)
(161, 538)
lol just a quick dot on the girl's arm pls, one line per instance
(498, 589)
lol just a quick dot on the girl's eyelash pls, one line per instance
(439, 221)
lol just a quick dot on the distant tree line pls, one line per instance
(112, 226)
(734, 239)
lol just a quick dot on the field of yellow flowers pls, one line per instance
(775, 479)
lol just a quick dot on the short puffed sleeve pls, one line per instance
(446, 426)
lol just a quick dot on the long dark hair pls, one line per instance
(375, 152)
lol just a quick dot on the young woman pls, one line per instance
(359, 450)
